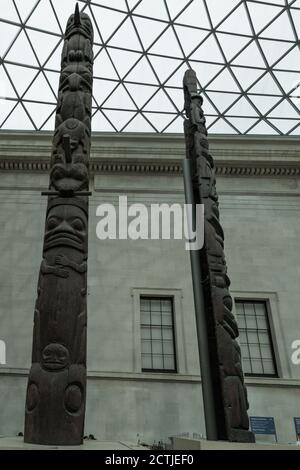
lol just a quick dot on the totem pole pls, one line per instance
(56, 391)
(224, 391)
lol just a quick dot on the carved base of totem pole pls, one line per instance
(56, 392)
(224, 355)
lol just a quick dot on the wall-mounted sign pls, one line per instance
(263, 425)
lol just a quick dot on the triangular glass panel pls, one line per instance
(25, 8)
(231, 45)
(160, 102)
(222, 100)
(176, 127)
(142, 72)
(177, 76)
(140, 93)
(262, 14)
(250, 56)
(50, 124)
(288, 80)
(246, 76)
(54, 62)
(266, 86)
(107, 21)
(132, 4)
(119, 118)
(119, 99)
(6, 89)
(296, 131)
(5, 108)
(273, 50)
(155, 9)
(39, 112)
(8, 34)
(242, 108)
(205, 72)
(284, 110)
(139, 124)
(218, 10)
(291, 61)
(18, 120)
(208, 51)
(102, 89)
(103, 67)
(126, 34)
(264, 103)
(296, 19)
(44, 44)
(237, 22)
(43, 15)
(262, 128)
(123, 60)
(8, 12)
(242, 124)
(209, 104)
(210, 120)
(148, 30)
(53, 78)
(194, 15)
(40, 90)
(284, 125)
(167, 44)
(101, 124)
(221, 127)
(164, 66)
(21, 51)
(160, 121)
(190, 38)
(176, 95)
(224, 82)
(116, 4)
(21, 77)
(175, 8)
(280, 29)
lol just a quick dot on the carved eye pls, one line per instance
(52, 223)
(78, 224)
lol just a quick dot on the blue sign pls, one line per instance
(262, 425)
(297, 426)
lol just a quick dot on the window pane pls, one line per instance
(269, 367)
(157, 347)
(169, 362)
(156, 333)
(168, 347)
(155, 318)
(145, 318)
(167, 319)
(145, 304)
(158, 362)
(155, 305)
(146, 346)
(167, 333)
(146, 362)
(257, 367)
(247, 366)
(145, 333)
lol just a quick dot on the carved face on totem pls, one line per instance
(69, 177)
(66, 225)
(55, 357)
(76, 77)
(84, 25)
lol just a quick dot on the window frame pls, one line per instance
(270, 335)
(178, 329)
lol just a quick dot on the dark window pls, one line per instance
(255, 338)
(157, 334)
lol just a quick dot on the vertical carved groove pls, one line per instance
(230, 394)
(56, 391)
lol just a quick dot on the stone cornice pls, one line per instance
(158, 154)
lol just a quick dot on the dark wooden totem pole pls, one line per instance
(229, 395)
(56, 392)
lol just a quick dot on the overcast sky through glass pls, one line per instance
(246, 55)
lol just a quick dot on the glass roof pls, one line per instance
(246, 55)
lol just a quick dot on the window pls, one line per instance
(157, 334)
(255, 338)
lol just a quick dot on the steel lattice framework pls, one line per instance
(246, 55)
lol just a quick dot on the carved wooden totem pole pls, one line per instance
(224, 355)
(56, 392)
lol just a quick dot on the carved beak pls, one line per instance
(77, 16)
